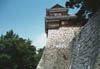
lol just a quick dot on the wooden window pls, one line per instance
(57, 14)
(51, 25)
(64, 23)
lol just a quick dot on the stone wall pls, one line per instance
(85, 52)
(82, 52)
(57, 50)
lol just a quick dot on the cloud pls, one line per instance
(40, 41)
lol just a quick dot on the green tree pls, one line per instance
(17, 50)
(87, 8)
(6, 62)
(39, 54)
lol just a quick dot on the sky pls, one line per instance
(26, 18)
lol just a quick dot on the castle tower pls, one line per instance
(57, 17)
(60, 28)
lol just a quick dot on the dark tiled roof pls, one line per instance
(62, 17)
(57, 6)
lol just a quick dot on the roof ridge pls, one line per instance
(57, 6)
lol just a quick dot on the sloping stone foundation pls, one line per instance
(57, 50)
(85, 50)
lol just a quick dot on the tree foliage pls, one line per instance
(87, 8)
(5, 62)
(17, 53)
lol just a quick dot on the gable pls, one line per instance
(57, 6)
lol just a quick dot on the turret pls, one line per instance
(57, 16)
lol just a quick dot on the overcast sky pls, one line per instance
(26, 18)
